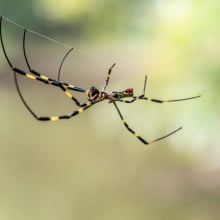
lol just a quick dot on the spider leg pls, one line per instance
(157, 100)
(34, 75)
(145, 82)
(46, 79)
(108, 77)
(66, 116)
(168, 100)
(69, 95)
(84, 107)
(64, 86)
(2, 44)
(142, 97)
(136, 135)
(61, 64)
(133, 99)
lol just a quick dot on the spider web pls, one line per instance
(53, 40)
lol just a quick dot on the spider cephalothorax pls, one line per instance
(94, 95)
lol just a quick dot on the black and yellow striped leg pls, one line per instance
(69, 95)
(129, 129)
(108, 77)
(84, 107)
(39, 76)
(67, 116)
(133, 99)
(42, 78)
(168, 100)
(46, 79)
(136, 135)
(141, 97)
(34, 74)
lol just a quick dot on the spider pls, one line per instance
(94, 95)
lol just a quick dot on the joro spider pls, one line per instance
(94, 95)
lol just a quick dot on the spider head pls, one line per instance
(122, 94)
(93, 93)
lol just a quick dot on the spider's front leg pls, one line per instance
(66, 116)
(37, 76)
(34, 75)
(84, 107)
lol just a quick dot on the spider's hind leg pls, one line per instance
(137, 135)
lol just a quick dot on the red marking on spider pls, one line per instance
(129, 91)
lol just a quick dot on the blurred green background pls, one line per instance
(91, 167)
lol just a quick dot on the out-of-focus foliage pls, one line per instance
(90, 167)
(85, 17)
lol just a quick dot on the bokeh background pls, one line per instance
(91, 167)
